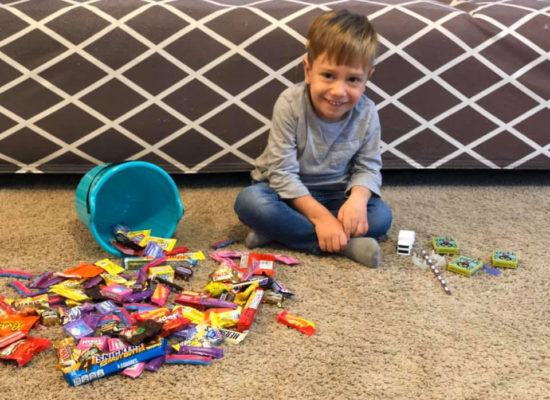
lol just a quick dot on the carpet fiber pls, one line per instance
(387, 333)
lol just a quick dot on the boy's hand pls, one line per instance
(330, 232)
(353, 213)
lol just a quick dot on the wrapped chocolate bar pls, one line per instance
(109, 363)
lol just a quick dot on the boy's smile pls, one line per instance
(334, 89)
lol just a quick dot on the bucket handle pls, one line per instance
(106, 167)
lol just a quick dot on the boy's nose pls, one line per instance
(338, 88)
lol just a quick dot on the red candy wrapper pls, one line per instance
(24, 350)
(303, 325)
(264, 263)
(249, 311)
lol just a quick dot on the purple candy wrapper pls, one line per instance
(187, 333)
(40, 279)
(93, 282)
(91, 320)
(106, 307)
(50, 282)
(154, 250)
(78, 329)
(155, 364)
(212, 352)
(140, 296)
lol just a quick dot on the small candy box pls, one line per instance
(445, 245)
(116, 292)
(502, 258)
(465, 265)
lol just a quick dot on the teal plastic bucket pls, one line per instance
(137, 194)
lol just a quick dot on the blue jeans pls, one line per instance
(263, 210)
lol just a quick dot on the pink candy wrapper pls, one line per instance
(286, 259)
(134, 371)
(87, 342)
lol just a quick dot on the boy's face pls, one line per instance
(334, 89)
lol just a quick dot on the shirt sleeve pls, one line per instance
(367, 162)
(282, 154)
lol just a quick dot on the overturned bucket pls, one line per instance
(137, 194)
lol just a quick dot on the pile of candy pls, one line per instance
(137, 316)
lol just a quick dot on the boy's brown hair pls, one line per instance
(348, 39)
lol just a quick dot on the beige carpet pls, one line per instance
(389, 333)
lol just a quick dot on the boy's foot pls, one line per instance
(254, 239)
(364, 250)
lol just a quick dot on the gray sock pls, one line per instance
(364, 250)
(254, 239)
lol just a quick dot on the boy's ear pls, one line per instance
(371, 73)
(307, 69)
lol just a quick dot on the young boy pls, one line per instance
(317, 183)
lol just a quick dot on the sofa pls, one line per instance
(189, 85)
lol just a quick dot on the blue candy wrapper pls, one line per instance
(109, 363)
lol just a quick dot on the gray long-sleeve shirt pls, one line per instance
(305, 152)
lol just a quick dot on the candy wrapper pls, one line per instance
(116, 292)
(24, 350)
(78, 329)
(110, 267)
(109, 363)
(12, 323)
(155, 364)
(188, 359)
(87, 342)
(223, 243)
(134, 371)
(286, 259)
(264, 263)
(83, 270)
(160, 295)
(32, 305)
(301, 324)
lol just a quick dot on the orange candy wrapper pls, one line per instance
(303, 325)
(82, 271)
(16, 322)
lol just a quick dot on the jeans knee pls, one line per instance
(381, 220)
(252, 200)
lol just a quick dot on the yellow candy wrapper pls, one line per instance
(217, 288)
(243, 296)
(162, 271)
(165, 244)
(109, 266)
(190, 313)
(142, 236)
(112, 279)
(69, 293)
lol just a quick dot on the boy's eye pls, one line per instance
(354, 79)
(327, 75)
